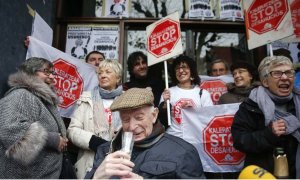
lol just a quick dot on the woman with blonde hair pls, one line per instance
(93, 123)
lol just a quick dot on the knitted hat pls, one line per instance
(241, 64)
(133, 98)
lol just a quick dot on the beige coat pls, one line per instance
(88, 119)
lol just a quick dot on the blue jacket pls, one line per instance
(170, 157)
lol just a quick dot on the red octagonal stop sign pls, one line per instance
(163, 38)
(68, 83)
(218, 143)
(215, 87)
(266, 15)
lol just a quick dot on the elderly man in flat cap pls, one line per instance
(155, 154)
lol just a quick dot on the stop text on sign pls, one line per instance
(66, 83)
(266, 12)
(218, 142)
(161, 38)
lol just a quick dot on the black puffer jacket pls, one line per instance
(251, 136)
(169, 158)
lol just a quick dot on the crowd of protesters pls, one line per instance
(34, 137)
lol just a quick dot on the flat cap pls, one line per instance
(133, 98)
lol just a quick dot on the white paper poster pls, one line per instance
(82, 39)
(200, 9)
(116, 8)
(229, 9)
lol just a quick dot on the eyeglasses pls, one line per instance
(47, 72)
(184, 68)
(278, 74)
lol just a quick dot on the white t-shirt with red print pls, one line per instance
(190, 96)
(107, 103)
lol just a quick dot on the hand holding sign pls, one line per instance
(164, 42)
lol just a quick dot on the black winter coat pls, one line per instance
(169, 158)
(251, 136)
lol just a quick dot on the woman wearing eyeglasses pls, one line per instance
(270, 117)
(32, 134)
(186, 94)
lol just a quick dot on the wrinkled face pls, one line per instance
(46, 74)
(280, 85)
(218, 69)
(108, 79)
(242, 77)
(139, 121)
(183, 73)
(95, 59)
(140, 68)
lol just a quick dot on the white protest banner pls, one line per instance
(164, 39)
(267, 21)
(41, 30)
(84, 38)
(216, 86)
(209, 130)
(73, 76)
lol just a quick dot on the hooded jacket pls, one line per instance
(29, 131)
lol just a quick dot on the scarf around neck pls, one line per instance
(105, 94)
(266, 102)
(157, 132)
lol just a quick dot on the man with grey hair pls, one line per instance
(270, 117)
(155, 153)
(218, 67)
(32, 134)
